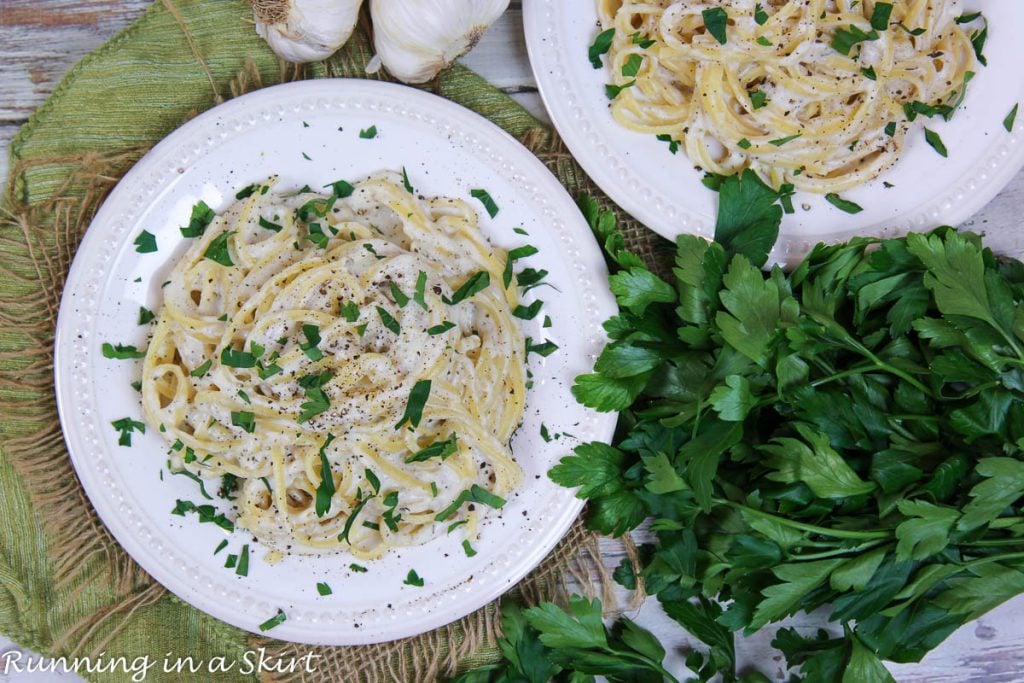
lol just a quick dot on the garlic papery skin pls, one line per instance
(415, 39)
(305, 30)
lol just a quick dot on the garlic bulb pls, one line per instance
(415, 39)
(305, 30)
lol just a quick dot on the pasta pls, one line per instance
(820, 94)
(351, 361)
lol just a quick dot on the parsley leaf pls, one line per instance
(602, 43)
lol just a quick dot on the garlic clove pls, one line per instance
(416, 39)
(305, 30)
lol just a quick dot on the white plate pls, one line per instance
(664, 191)
(447, 150)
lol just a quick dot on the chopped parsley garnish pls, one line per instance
(612, 91)
(247, 191)
(220, 546)
(398, 295)
(781, 141)
(202, 369)
(513, 256)
(414, 407)
(844, 39)
(373, 480)
(228, 486)
(528, 278)
(715, 21)
(243, 562)
(343, 536)
(880, 16)
(1010, 119)
(202, 216)
(267, 371)
(244, 419)
(237, 359)
(632, 66)
(273, 621)
(244, 396)
(341, 188)
(413, 579)
(369, 247)
(475, 494)
(316, 400)
(545, 349)
(145, 315)
(218, 252)
(470, 552)
(528, 312)
(438, 449)
(388, 321)
(389, 516)
(758, 98)
(368, 133)
(842, 204)
(890, 128)
(126, 426)
(743, 144)
(350, 311)
(640, 40)
(544, 434)
(760, 16)
(358, 568)
(121, 351)
(406, 184)
(602, 43)
(869, 72)
(421, 290)
(673, 145)
(933, 139)
(137, 385)
(307, 157)
(145, 243)
(441, 328)
(361, 329)
(761, 40)
(325, 490)
(967, 18)
(912, 31)
(310, 346)
(317, 236)
(193, 477)
(323, 589)
(485, 198)
(478, 282)
(978, 39)
(207, 513)
(230, 562)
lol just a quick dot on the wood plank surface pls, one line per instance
(40, 40)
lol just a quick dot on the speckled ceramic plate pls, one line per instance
(308, 133)
(665, 193)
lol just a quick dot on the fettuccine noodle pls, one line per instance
(337, 335)
(780, 96)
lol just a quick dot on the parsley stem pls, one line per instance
(993, 543)
(993, 558)
(839, 551)
(824, 531)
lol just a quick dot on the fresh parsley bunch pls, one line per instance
(849, 434)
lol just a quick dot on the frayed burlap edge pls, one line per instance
(43, 238)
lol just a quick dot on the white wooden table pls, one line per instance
(40, 40)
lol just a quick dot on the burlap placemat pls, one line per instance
(66, 587)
